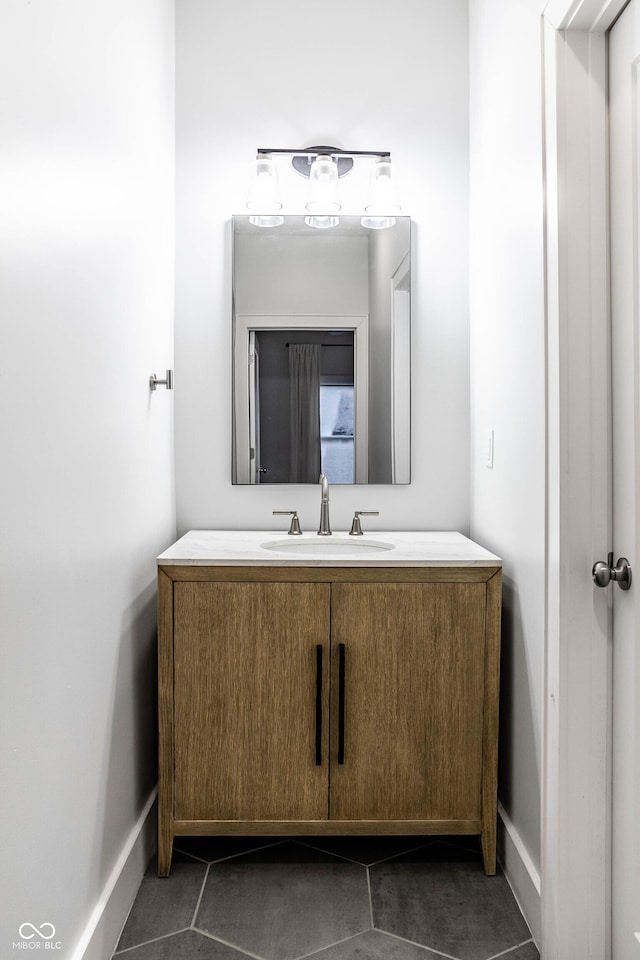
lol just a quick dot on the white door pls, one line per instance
(624, 105)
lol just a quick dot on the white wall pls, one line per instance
(364, 76)
(86, 291)
(508, 374)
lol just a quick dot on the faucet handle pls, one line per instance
(356, 526)
(294, 529)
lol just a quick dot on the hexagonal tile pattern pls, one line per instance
(162, 905)
(374, 945)
(188, 945)
(325, 898)
(528, 951)
(439, 896)
(365, 850)
(284, 902)
(211, 849)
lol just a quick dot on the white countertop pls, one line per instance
(407, 549)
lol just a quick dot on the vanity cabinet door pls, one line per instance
(246, 709)
(411, 695)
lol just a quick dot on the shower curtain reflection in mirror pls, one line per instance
(305, 462)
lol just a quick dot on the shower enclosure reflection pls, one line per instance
(321, 331)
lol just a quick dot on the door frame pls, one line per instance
(401, 362)
(576, 811)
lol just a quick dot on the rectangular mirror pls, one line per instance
(321, 352)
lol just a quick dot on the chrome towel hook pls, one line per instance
(167, 382)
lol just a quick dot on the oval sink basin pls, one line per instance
(324, 546)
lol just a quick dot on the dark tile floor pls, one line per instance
(332, 898)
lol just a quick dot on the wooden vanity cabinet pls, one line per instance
(297, 700)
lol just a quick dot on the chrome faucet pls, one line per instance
(324, 530)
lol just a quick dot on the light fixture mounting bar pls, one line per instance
(323, 151)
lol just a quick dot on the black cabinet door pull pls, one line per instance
(341, 669)
(319, 705)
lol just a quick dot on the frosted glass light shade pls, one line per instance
(378, 223)
(322, 223)
(323, 179)
(382, 202)
(263, 190)
(271, 220)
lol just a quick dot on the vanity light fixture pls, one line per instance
(264, 201)
(258, 220)
(323, 180)
(382, 203)
(321, 222)
(323, 166)
(378, 223)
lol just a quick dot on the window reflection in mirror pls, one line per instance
(321, 353)
(337, 431)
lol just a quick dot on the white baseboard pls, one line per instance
(520, 872)
(100, 936)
